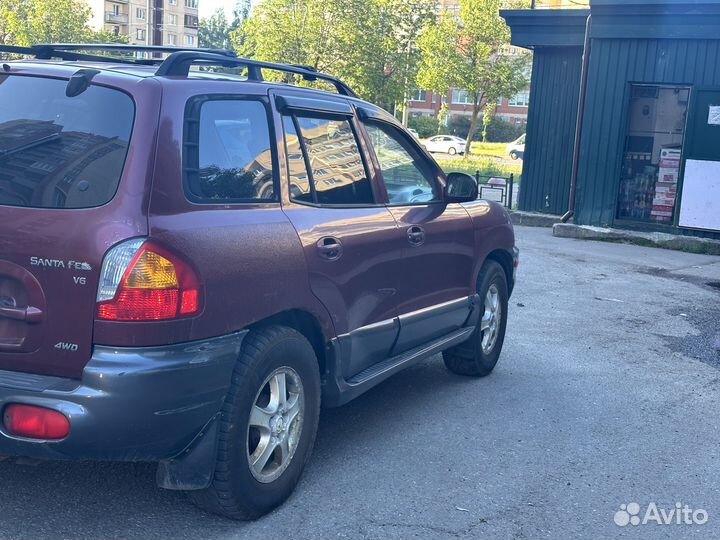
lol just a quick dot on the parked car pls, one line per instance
(194, 262)
(516, 149)
(446, 144)
(414, 133)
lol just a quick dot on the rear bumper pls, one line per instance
(132, 404)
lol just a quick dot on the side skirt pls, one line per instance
(338, 391)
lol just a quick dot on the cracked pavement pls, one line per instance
(607, 392)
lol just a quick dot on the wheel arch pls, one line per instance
(308, 325)
(505, 260)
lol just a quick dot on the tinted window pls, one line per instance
(336, 167)
(233, 160)
(406, 177)
(58, 151)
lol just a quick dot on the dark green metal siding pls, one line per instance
(552, 115)
(614, 64)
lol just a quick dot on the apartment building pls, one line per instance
(149, 22)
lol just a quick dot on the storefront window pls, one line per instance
(653, 146)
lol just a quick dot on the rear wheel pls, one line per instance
(514, 155)
(452, 151)
(478, 356)
(268, 425)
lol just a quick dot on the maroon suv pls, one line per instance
(193, 261)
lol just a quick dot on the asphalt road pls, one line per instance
(607, 393)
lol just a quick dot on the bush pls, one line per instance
(501, 131)
(426, 126)
(459, 125)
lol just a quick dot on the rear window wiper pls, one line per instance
(28, 146)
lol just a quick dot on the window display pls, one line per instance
(653, 147)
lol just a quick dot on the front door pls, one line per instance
(436, 270)
(350, 240)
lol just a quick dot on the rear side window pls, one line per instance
(58, 151)
(227, 152)
(325, 163)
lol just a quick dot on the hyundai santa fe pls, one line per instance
(193, 260)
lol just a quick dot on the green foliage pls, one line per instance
(458, 125)
(486, 165)
(498, 130)
(463, 52)
(26, 22)
(216, 32)
(368, 43)
(426, 126)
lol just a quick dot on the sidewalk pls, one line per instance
(690, 244)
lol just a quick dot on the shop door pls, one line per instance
(653, 149)
(700, 196)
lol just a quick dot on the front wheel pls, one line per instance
(478, 356)
(268, 425)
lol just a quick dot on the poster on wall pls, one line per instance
(700, 202)
(714, 115)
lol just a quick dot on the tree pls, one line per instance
(367, 43)
(26, 22)
(216, 32)
(381, 56)
(464, 52)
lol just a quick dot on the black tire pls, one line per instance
(514, 155)
(452, 151)
(469, 358)
(235, 491)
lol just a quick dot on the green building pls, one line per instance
(624, 114)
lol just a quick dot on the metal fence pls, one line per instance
(496, 188)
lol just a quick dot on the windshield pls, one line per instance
(58, 151)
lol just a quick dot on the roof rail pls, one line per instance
(178, 65)
(122, 47)
(44, 52)
(68, 51)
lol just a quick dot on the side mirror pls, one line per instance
(460, 187)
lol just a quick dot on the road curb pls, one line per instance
(690, 244)
(533, 219)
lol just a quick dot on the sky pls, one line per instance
(208, 7)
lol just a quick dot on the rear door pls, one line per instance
(351, 241)
(61, 163)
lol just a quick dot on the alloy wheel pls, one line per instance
(275, 426)
(490, 322)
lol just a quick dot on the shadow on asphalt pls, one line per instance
(81, 499)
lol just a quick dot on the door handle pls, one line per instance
(29, 314)
(330, 248)
(416, 235)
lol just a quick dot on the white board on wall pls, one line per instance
(700, 202)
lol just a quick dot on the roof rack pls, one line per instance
(177, 64)
(68, 51)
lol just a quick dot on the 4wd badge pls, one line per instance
(63, 346)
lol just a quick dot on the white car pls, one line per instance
(516, 149)
(447, 144)
(414, 133)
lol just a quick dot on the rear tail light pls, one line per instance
(35, 422)
(141, 281)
